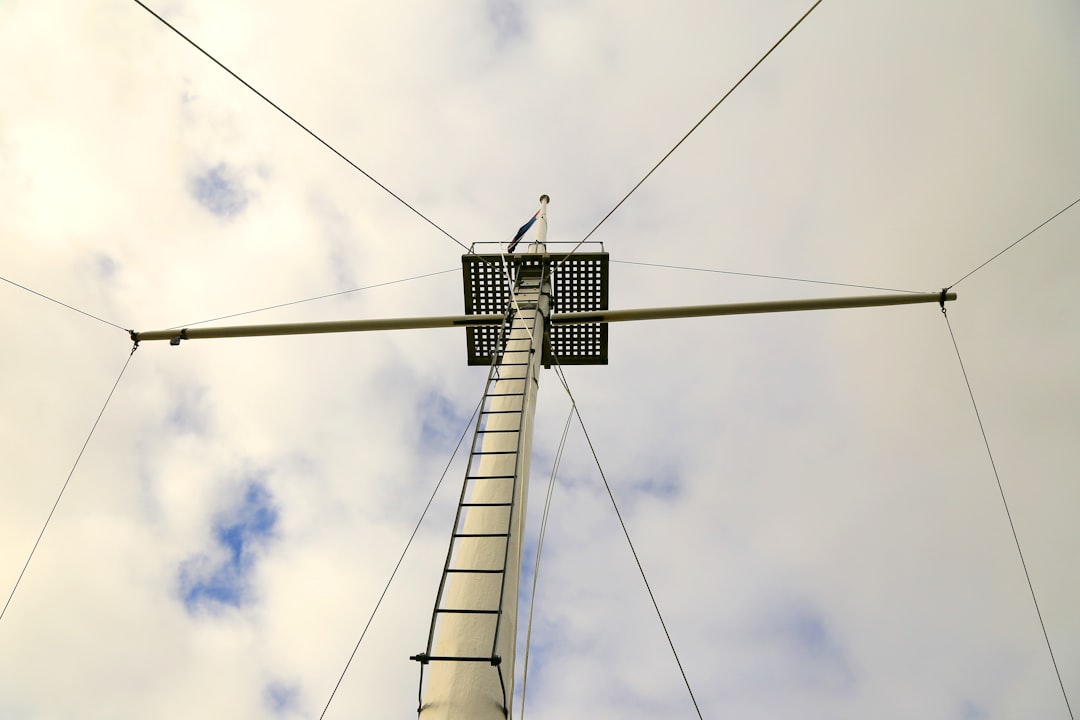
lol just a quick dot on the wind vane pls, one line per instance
(521, 311)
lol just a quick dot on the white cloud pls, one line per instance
(808, 494)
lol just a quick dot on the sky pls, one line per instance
(809, 494)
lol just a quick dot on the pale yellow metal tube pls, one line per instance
(228, 331)
(603, 316)
(668, 313)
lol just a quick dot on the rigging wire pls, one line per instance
(1017, 242)
(536, 570)
(67, 481)
(317, 297)
(1008, 514)
(547, 504)
(626, 532)
(695, 127)
(303, 127)
(397, 566)
(539, 549)
(767, 277)
(69, 307)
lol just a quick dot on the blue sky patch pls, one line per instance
(282, 698)
(105, 266)
(220, 191)
(973, 711)
(803, 633)
(809, 633)
(440, 423)
(221, 577)
(664, 486)
(507, 17)
(188, 413)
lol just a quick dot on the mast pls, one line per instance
(470, 651)
(469, 657)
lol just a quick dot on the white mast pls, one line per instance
(476, 611)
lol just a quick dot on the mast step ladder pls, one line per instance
(485, 510)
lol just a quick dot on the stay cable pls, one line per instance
(629, 542)
(303, 127)
(697, 124)
(1016, 242)
(1008, 514)
(66, 482)
(64, 304)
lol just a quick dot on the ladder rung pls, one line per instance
(472, 570)
(494, 452)
(484, 430)
(457, 658)
(490, 477)
(482, 535)
(485, 504)
(517, 394)
(466, 611)
(498, 412)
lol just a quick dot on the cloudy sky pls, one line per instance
(809, 494)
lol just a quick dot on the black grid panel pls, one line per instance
(584, 344)
(579, 284)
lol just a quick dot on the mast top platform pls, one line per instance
(579, 283)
